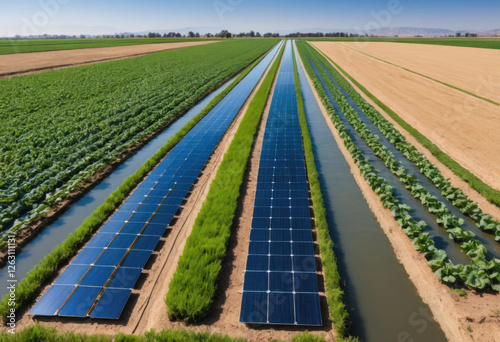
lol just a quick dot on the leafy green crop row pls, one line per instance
(456, 196)
(61, 127)
(334, 293)
(194, 283)
(39, 333)
(38, 45)
(30, 286)
(480, 274)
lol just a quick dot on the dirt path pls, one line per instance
(463, 126)
(26, 63)
(453, 313)
(474, 70)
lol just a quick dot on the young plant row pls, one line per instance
(193, 286)
(29, 288)
(479, 275)
(39, 333)
(455, 195)
(334, 293)
(61, 127)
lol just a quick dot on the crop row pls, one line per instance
(193, 286)
(28, 288)
(61, 127)
(480, 274)
(455, 195)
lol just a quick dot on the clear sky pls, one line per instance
(109, 16)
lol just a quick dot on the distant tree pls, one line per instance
(252, 34)
(191, 34)
(197, 35)
(117, 35)
(467, 34)
(258, 34)
(82, 36)
(268, 34)
(458, 35)
(164, 35)
(208, 35)
(132, 35)
(178, 35)
(122, 36)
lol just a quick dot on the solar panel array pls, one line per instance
(281, 285)
(99, 281)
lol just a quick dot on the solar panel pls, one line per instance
(281, 267)
(123, 246)
(51, 300)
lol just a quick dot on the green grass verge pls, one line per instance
(29, 288)
(477, 184)
(194, 283)
(485, 43)
(40, 333)
(334, 293)
(38, 45)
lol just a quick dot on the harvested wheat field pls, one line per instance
(23, 63)
(461, 125)
(474, 70)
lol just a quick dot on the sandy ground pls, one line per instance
(464, 127)
(26, 63)
(147, 310)
(452, 312)
(471, 69)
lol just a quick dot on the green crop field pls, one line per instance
(38, 45)
(61, 127)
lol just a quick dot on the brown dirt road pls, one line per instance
(463, 126)
(453, 313)
(471, 69)
(26, 63)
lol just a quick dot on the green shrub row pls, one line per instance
(40, 333)
(477, 184)
(334, 292)
(455, 195)
(479, 275)
(29, 288)
(194, 283)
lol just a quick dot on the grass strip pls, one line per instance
(40, 333)
(29, 288)
(334, 292)
(477, 184)
(193, 286)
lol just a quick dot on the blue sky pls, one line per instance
(109, 16)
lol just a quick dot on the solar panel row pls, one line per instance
(281, 285)
(101, 277)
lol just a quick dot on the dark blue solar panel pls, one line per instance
(101, 240)
(97, 276)
(155, 229)
(79, 302)
(308, 309)
(137, 259)
(147, 242)
(72, 275)
(125, 278)
(87, 256)
(111, 257)
(162, 219)
(123, 241)
(112, 227)
(281, 261)
(51, 300)
(133, 228)
(111, 304)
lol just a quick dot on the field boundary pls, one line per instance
(424, 76)
(29, 287)
(491, 194)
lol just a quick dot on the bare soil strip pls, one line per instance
(146, 308)
(473, 71)
(27, 63)
(462, 126)
(452, 312)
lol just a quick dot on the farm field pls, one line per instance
(24, 63)
(38, 45)
(97, 113)
(418, 100)
(287, 207)
(469, 69)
